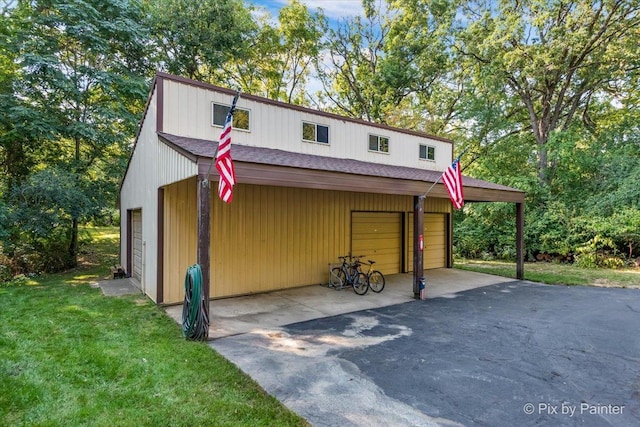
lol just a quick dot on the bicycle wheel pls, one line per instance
(376, 281)
(360, 285)
(337, 279)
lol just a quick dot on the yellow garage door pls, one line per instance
(435, 241)
(378, 236)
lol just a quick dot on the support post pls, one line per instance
(418, 245)
(160, 254)
(520, 241)
(204, 236)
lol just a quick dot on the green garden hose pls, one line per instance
(195, 322)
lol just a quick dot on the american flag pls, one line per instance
(452, 179)
(224, 163)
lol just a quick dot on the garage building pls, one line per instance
(311, 186)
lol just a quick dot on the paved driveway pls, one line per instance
(509, 354)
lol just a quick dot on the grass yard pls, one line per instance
(70, 356)
(556, 273)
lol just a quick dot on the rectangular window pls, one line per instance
(240, 116)
(427, 152)
(312, 132)
(378, 143)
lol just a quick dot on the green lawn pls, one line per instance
(556, 273)
(70, 356)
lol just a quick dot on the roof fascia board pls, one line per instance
(284, 176)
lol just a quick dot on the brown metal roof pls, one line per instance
(199, 149)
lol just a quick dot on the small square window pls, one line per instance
(312, 132)
(427, 152)
(240, 116)
(378, 143)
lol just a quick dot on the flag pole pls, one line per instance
(424, 196)
(440, 176)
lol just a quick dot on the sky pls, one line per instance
(333, 9)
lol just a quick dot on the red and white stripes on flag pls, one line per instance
(224, 163)
(452, 179)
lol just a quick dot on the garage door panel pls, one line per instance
(378, 236)
(435, 241)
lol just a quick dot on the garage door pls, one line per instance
(136, 231)
(378, 235)
(435, 241)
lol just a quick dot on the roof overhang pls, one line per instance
(266, 166)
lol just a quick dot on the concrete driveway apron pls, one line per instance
(516, 353)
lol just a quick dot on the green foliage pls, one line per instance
(36, 239)
(549, 59)
(75, 88)
(598, 252)
(485, 231)
(195, 38)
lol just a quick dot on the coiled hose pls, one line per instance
(195, 323)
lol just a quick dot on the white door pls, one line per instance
(136, 258)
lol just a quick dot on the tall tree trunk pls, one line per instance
(543, 164)
(73, 245)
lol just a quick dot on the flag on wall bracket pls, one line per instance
(224, 162)
(452, 179)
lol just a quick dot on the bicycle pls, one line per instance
(375, 279)
(349, 273)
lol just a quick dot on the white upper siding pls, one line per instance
(152, 165)
(188, 112)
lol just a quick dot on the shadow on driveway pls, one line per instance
(515, 353)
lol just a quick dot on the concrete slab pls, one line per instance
(232, 316)
(118, 287)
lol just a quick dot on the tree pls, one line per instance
(276, 60)
(552, 60)
(393, 66)
(353, 81)
(78, 89)
(300, 43)
(195, 38)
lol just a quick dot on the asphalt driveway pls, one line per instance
(515, 353)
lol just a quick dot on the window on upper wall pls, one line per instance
(427, 152)
(312, 132)
(378, 143)
(240, 116)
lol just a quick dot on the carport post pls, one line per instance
(418, 230)
(204, 237)
(520, 241)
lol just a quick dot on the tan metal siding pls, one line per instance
(180, 236)
(268, 238)
(378, 236)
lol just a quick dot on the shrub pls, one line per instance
(599, 252)
(37, 232)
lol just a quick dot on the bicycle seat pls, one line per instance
(371, 262)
